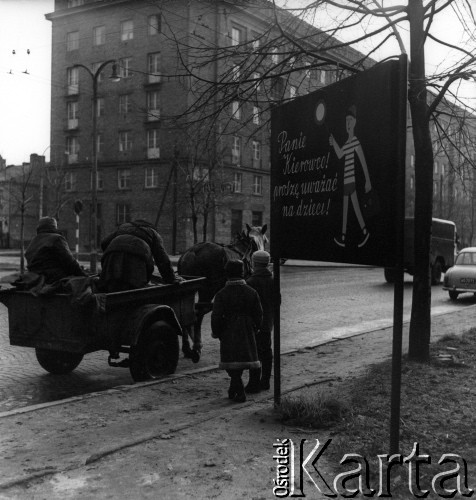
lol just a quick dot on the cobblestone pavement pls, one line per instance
(23, 382)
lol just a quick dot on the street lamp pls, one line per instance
(94, 159)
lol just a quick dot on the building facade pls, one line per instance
(197, 170)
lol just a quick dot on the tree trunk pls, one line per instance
(420, 322)
(22, 238)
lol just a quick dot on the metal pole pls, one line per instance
(399, 236)
(277, 328)
(77, 236)
(174, 205)
(94, 221)
(94, 162)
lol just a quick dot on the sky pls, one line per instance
(25, 79)
(24, 98)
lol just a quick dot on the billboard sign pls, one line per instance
(336, 155)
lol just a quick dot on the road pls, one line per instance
(318, 304)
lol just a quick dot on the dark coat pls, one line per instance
(262, 281)
(48, 254)
(129, 257)
(236, 316)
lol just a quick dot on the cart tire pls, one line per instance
(453, 295)
(156, 353)
(58, 362)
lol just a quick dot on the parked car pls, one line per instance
(461, 278)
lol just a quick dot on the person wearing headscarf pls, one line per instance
(48, 253)
(236, 315)
(129, 255)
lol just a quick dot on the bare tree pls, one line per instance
(290, 47)
(21, 194)
(55, 175)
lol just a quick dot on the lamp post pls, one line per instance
(94, 159)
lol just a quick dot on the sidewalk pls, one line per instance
(180, 437)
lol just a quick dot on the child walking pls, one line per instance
(262, 281)
(236, 316)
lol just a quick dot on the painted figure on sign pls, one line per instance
(351, 148)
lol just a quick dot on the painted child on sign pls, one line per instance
(351, 148)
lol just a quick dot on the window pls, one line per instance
(412, 161)
(72, 147)
(274, 55)
(322, 78)
(436, 167)
(257, 79)
(124, 104)
(256, 218)
(256, 40)
(237, 182)
(256, 115)
(72, 41)
(123, 178)
(100, 106)
(125, 141)
(292, 91)
(123, 213)
(99, 181)
(99, 35)
(72, 110)
(236, 36)
(127, 30)
(72, 75)
(153, 107)
(153, 64)
(412, 182)
(236, 150)
(124, 67)
(256, 146)
(99, 143)
(154, 24)
(277, 88)
(153, 149)
(258, 184)
(236, 110)
(235, 73)
(151, 177)
(236, 222)
(70, 181)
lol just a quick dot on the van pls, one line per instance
(442, 249)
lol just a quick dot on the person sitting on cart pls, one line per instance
(48, 253)
(129, 254)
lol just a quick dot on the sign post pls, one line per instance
(338, 177)
(78, 207)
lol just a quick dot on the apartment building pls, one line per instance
(162, 154)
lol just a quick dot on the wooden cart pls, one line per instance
(144, 323)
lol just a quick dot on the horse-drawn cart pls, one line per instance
(145, 324)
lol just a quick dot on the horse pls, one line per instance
(208, 259)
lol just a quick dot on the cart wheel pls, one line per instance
(156, 353)
(58, 362)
